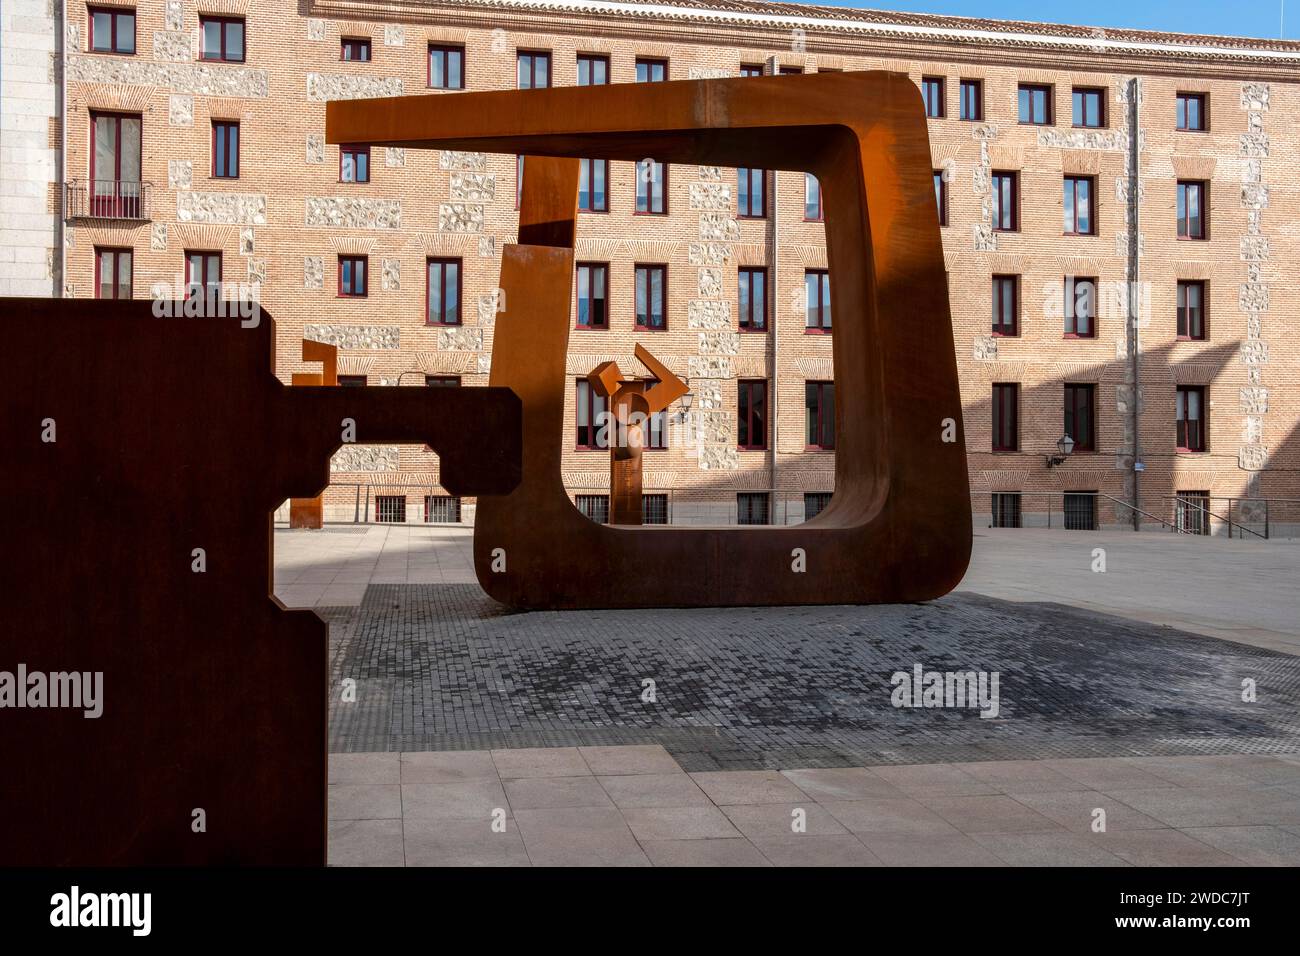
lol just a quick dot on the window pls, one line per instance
(654, 509)
(594, 507)
(534, 70)
(655, 432)
(113, 273)
(390, 509)
(819, 414)
(752, 299)
(971, 96)
(1035, 104)
(1006, 509)
(932, 93)
(1080, 307)
(941, 196)
(651, 71)
(1088, 107)
(441, 509)
(751, 69)
(352, 381)
(1006, 305)
(651, 181)
(115, 187)
(225, 149)
(203, 274)
(749, 183)
(651, 295)
(1190, 112)
(1080, 510)
(446, 67)
(355, 48)
(442, 306)
(592, 283)
(753, 507)
(1191, 309)
(751, 414)
(812, 199)
(814, 503)
(112, 30)
(1006, 201)
(593, 70)
(593, 174)
(1192, 511)
(1006, 416)
(222, 39)
(817, 293)
(354, 164)
(790, 70)
(1191, 209)
(1190, 401)
(591, 409)
(519, 180)
(1076, 198)
(352, 276)
(442, 381)
(1079, 407)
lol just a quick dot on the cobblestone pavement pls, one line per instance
(635, 806)
(442, 667)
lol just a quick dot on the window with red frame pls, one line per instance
(390, 509)
(112, 30)
(652, 297)
(1006, 201)
(751, 69)
(442, 381)
(812, 199)
(593, 69)
(1076, 198)
(1035, 104)
(1080, 307)
(446, 67)
(941, 196)
(819, 414)
(751, 414)
(1190, 113)
(591, 413)
(593, 177)
(1088, 107)
(971, 101)
(1191, 418)
(651, 188)
(352, 276)
(1191, 209)
(355, 48)
(817, 295)
(592, 288)
(1191, 309)
(441, 509)
(1006, 416)
(790, 71)
(751, 192)
(752, 298)
(534, 69)
(115, 150)
(222, 38)
(442, 292)
(354, 164)
(1006, 305)
(203, 274)
(113, 269)
(651, 71)
(932, 93)
(753, 507)
(225, 149)
(1080, 403)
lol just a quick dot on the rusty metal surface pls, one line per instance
(898, 527)
(213, 695)
(309, 513)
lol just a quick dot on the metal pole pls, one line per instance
(1133, 278)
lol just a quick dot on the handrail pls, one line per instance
(1146, 514)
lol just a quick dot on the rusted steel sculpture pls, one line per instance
(898, 527)
(630, 408)
(310, 512)
(138, 548)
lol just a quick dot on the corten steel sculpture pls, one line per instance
(172, 435)
(310, 512)
(630, 406)
(898, 527)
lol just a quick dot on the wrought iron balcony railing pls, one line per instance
(107, 199)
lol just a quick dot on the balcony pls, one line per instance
(107, 199)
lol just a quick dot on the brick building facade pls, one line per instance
(196, 152)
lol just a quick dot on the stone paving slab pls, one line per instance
(484, 818)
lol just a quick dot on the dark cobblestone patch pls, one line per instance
(443, 667)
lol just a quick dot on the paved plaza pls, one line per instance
(1164, 691)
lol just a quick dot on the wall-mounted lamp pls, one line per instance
(1064, 445)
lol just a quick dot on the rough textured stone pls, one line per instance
(718, 227)
(352, 458)
(313, 272)
(473, 187)
(985, 348)
(460, 217)
(708, 253)
(460, 339)
(180, 173)
(719, 458)
(710, 196)
(392, 275)
(315, 29)
(487, 247)
(709, 367)
(315, 148)
(707, 73)
(719, 343)
(158, 236)
(174, 15)
(194, 78)
(1254, 96)
(460, 159)
(394, 34)
(323, 87)
(180, 110)
(257, 271)
(246, 239)
(353, 213)
(394, 156)
(711, 314)
(356, 337)
(710, 283)
(1254, 401)
(225, 208)
(1115, 140)
(176, 46)
(711, 174)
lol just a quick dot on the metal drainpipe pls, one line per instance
(776, 348)
(60, 169)
(1133, 289)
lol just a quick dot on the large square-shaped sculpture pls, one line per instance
(898, 527)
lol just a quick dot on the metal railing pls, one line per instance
(107, 199)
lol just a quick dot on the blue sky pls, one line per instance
(1253, 18)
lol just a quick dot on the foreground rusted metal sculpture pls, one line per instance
(138, 547)
(898, 527)
(309, 513)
